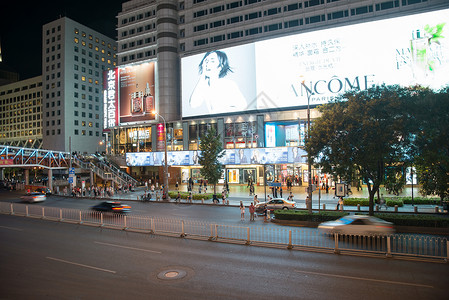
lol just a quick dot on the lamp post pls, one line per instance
(165, 150)
(309, 165)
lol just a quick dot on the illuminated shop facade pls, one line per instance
(275, 81)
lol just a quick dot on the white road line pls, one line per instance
(81, 265)
(367, 279)
(131, 248)
(11, 228)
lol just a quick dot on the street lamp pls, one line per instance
(309, 188)
(166, 161)
(100, 143)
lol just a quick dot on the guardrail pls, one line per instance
(403, 246)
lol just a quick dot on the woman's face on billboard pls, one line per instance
(211, 65)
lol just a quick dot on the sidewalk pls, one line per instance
(239, 193)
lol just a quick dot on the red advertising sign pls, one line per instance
(7, 161)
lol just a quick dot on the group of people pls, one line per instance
(252, 211)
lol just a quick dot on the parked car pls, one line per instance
(357, 225)
(112, 206)
(34, 197)
(274, 204)
(45, 191)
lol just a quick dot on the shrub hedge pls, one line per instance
(391, 202)
(415, 220)
(195, 196)
(300, 215)
(396, 219)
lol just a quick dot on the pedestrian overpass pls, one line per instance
(28, 158)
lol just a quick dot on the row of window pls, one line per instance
(90, 63)
(295, 6)
(150, 53)
(288, 24)
(82, 132)
(13, 101)
(53, 30)
(319, 18)
(133, 44)
(29, 117)
(140, 29)
(23, 88)
(138, 17)
(22, 133)
(97, 40)
(90, 46)
(29, 125)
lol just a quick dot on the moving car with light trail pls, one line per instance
(357, 225)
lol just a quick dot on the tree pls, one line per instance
(363, 132)
(432, 143)
(211, 150)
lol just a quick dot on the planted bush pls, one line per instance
(195, 196)
(299, 215)
(355, 201)
(393, 202)
(415, 220)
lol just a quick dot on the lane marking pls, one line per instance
(367, 279)
(81, 265)
(130, 248)
(11, 228)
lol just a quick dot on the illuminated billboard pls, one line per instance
(244, 156)
(269, 74)
(129, 94)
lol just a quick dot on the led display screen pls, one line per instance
(246, 156)
(269, 74)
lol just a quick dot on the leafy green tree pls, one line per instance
(362, 132)
(432, 143)
(211, 150)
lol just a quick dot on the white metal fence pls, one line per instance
(396, 245)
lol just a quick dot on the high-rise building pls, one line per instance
(275, 58)
(21, 113)
(73, 60)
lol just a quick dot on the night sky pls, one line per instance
(21, 27)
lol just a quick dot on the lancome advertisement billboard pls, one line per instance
(269, 74)
(129, 94)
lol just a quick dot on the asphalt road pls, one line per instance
(50, 260)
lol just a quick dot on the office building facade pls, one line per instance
(73, 60)
(21, 113)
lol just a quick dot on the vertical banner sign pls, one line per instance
(160, 137)
(110, 113)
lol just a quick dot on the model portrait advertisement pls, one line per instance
(285, 71)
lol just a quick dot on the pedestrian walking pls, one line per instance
(256, 200)
(280, 191)
(242, 211)
(178, 197)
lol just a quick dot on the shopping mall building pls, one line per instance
(253, 69)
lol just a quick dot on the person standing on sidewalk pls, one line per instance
(242, 211)
(252, 210)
